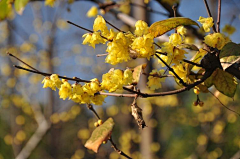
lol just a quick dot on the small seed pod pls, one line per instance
(200, 103)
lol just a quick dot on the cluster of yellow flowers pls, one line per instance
(115, 79)
(122, 46)
(76, 92)
(174, 54)
(111, 81)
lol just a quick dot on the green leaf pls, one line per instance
(137, 73)
(161, 27)
(225, 83)
(100, 134)
(5, 10)
(229, 54)
(209, 81)
(20, 5)
(188, 46)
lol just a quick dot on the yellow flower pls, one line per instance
(92, 39)
(215, 40)
(141, 28)
(154, 79)
(206, 22)
(98, 99)
(180, 70)
(50, 3)
(229, 29)
(56, 81)
(100, 24)
(112, 80)
(175, 39)
(118, 50)
(143, 45)
(47, 82)
(65, 90)
(92, 12)
(77, 91)
(182, 31)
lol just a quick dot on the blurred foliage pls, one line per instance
(42, 37)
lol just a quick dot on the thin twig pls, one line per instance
(171, 69)
(80, 27)
(116, 94)
(99, 55)
(114, 26)
(49, 74)
(224, 105)
(157, 75)
(87, 30)
(117, 150)
(22, 61)
(209, 14)
(219, 16)
(90, 107)
(193, 63)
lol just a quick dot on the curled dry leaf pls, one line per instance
(99, 135)
(137, 114)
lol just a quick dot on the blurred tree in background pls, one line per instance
(34, 122)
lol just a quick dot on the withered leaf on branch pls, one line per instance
(100, 134)
(137, 73)
(137, 114)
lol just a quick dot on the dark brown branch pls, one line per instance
(171, 69)
(219, 16)
(49, 74)
(117, 150)
(210, 15)
(193, 63)
(190, 86)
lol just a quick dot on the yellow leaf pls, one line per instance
(225, 83)
(161, 27)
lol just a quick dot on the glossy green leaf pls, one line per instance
(161, 27)
(100, 134)
(137, 73)
(225, 83)
(229, 54)
(20, 5)
(4, 9)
